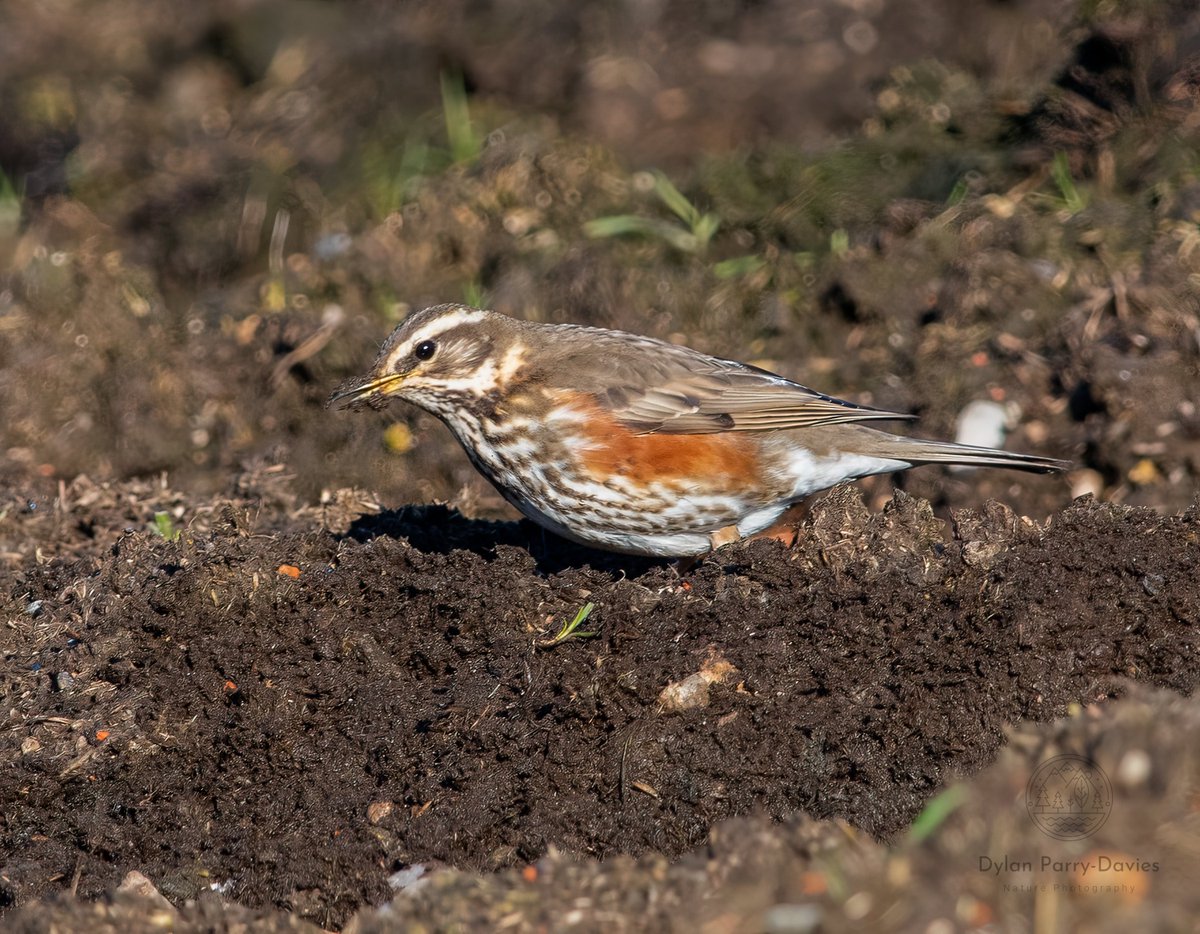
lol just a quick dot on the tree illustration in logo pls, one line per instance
(1068, 797)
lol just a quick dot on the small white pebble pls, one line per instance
(1086, 481)
(983, 424)
(1133, 769)
(408, 879)
(690, 692)
(792, 919)
(858, 906)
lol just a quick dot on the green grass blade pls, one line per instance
(618, 225)
(464, 143)
(1061, 171)
(939, 808)
(673, 198)
(738, 266)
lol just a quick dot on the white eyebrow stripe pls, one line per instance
(434, 329)
(445, 322)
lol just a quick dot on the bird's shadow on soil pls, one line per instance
(438, 529)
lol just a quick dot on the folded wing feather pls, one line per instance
(738, 398)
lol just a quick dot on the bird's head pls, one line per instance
(442, 359)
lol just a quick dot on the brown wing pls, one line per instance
(734, 401)
(650, 387)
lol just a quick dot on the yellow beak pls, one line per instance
(365, 390)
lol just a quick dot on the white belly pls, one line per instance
(664, 519)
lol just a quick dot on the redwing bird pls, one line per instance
(631, 444)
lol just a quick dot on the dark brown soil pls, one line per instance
(251, 653)
(192, 710)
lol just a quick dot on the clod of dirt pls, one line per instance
(692, 691)
(135, 883)
(986, 534)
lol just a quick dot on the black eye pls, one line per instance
(425, 350)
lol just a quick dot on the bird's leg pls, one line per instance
(784, 529)
(725, 536)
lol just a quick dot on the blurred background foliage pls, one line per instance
(210, 213)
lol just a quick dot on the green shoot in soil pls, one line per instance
(571, 630)
(465, 144)
(939, 808)
(738, 266)
(10, 206)
(957, 193)
(165, 527)
(1071, 197)
(392, 174)
(474, 294)
(693, 236)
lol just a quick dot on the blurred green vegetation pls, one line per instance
(760, 220)
(697, 230)
(277, 191)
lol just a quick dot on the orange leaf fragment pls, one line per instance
(101, 735)
(814, 883)
(980, 914)
(290, 570)
(1113, 871)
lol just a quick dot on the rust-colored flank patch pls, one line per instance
(612, 449)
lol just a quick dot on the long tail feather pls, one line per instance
(920, 451)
